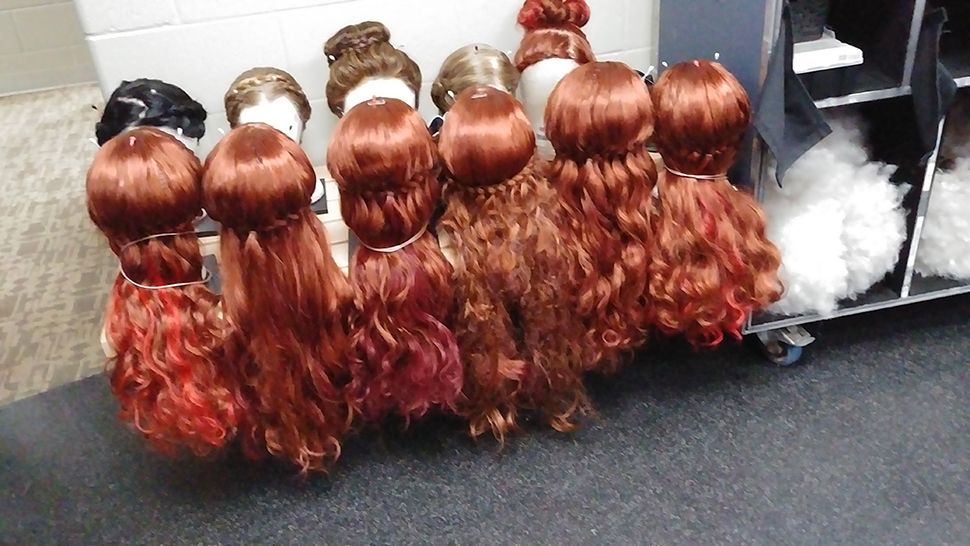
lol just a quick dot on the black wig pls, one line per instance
(151, 103)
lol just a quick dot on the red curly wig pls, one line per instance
(599, 119)
(283, 294)
(406, 357)
(553, 30)
(511, 270)
(712, 264)
(167, 372)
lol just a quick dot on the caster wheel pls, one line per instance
(781, 354)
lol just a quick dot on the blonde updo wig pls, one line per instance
(471, 66)
(264, 82)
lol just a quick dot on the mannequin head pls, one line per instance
(152, 103)
(364, 65)
(472, 66)
(271, 96)
(553, 46)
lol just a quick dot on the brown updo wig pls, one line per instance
(143, 191)
(472, 66)
(598, 119)
(362, 51)
(553, 30)
(283, 294)
(511, 270)
(712, 264)
(250, 87)
(406, 358)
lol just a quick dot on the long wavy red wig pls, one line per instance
(511, 270)
(283, 294)
(553, 30)
(167, 372)
(599, 119)
(712, 264)
(406, 357)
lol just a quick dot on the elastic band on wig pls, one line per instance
(205, 272)
(395, 248)
(696, 176)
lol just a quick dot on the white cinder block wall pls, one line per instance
(201, 45)
(41, 46)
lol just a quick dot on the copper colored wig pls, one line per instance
(711, 265)
(406, 357)
(359, 52)
(599, 119)
(553, 30)
(250, 87)
(167, 372)
(511, 270)
(472, 66)
(283, 294)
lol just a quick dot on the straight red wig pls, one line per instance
(514, 322)
(167, 372)
(553, 30)
(712, 264)
(284, 296)
(598, 119)
(405, 355)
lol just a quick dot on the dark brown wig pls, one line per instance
(553, 30)
(363, 51)
(599, 119)
(712, 264)
(143, 191)
(283, 294)
(406, 357)
(511, 270)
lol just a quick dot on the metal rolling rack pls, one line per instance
(713, 24)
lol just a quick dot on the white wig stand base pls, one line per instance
(387, 88)
(279, 113)
(835, 190)
(190, 143)
(535, 86)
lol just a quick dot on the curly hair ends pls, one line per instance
(257, 84)
(167, 373)
(712, 264)
(359, 52)
(283, 295)
(511, 270)
(471, 66)
(406, 356)
(553, 31)
(599, 119)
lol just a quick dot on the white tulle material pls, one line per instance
(944, 250)
(838, 222)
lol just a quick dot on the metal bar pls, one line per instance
(865, 96)
(924, 200)
(917, 23)
(805, 319)
(963, 82)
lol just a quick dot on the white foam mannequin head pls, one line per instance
(537, 83)
(279, 113)
(387, 88)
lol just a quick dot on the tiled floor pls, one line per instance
(54, 267)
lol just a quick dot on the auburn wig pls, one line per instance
(472, 66)
(511, 270)
(406, 357)
(359, 52)
(256, 84)
(553, 30)
(283, 294)
(143, 191)
(712, 264)
(599, 119)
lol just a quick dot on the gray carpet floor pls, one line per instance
(867, 442)
(55, 264)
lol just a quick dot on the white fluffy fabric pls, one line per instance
(944, 250)
(838, 222)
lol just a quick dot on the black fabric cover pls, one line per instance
(786, 116)
(933, 87)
